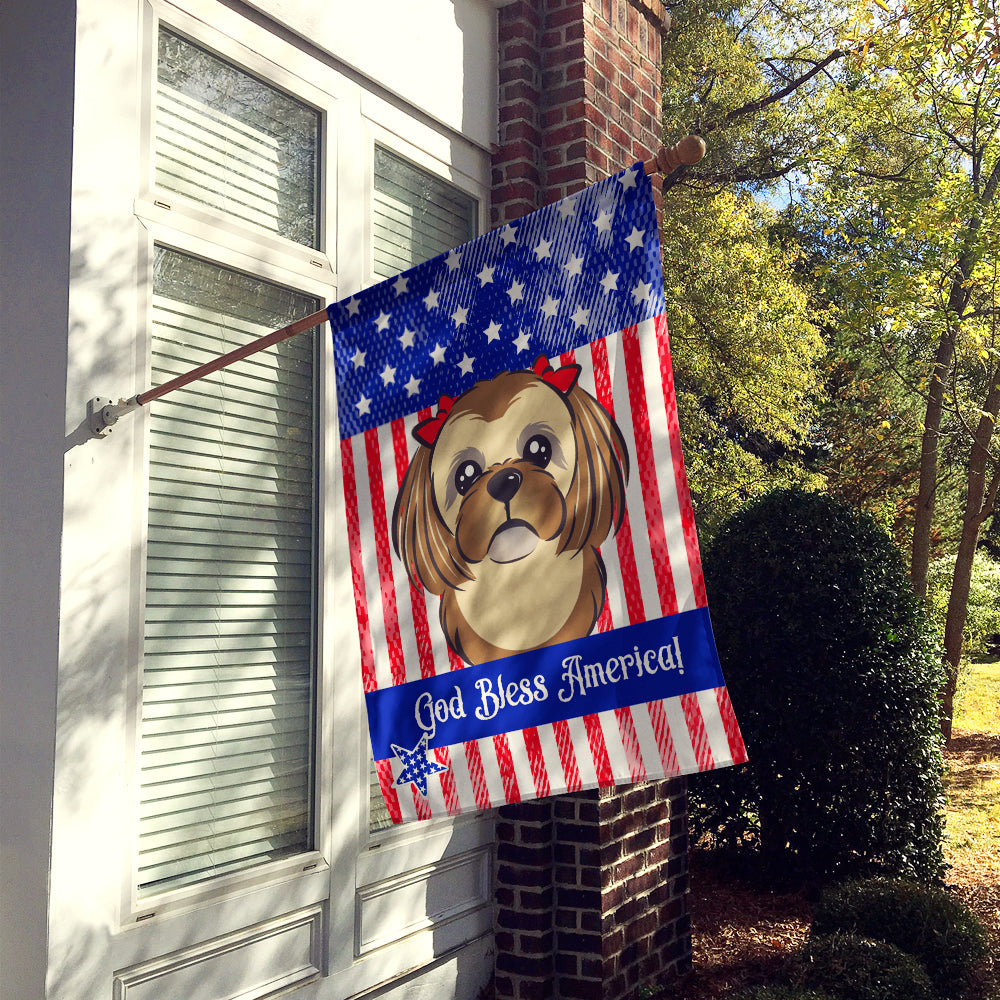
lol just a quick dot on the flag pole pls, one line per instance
(103, 413)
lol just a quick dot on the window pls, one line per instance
(229, 647)
(415, 217)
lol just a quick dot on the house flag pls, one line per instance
(531, 610)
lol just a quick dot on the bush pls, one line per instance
(856, 968)
(927, 923)
(834, 675)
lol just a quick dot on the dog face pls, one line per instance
(518, 472)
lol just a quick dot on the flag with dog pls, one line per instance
(531, 612)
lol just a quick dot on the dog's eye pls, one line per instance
(466, 475)
(538, 450)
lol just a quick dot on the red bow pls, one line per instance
(426, 431)
(562, 379)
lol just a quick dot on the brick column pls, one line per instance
(591, 888)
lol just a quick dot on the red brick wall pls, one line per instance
(591, 888)
(579, 96)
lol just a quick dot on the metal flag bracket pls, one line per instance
(103, 413)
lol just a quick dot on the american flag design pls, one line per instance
(578, 283)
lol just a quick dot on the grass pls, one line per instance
(973, 781)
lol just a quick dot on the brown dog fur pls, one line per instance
(514, 552)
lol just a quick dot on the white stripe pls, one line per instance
(683, 746)
(647, 742)
(617, 756)
(491, 769)
(553, 764)
(714, 727)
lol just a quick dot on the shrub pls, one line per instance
(982, 619)
(925, 922)
(834, 675)
(856, 968)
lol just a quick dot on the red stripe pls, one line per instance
(646, 463)
(567, 756)
(448, 786)
(599, 749)
(630, 741)
(385, 781)
(511, 792)
(357, 567)
(664, 741)
(380, 525)
(475, 762)
(680, 475)
(536, 760)
(697, 732)
(623, 539)
(737, 750)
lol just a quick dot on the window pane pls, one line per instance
(228, 140)
(228, 658)
(416, 217)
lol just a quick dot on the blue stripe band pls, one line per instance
(633, 665)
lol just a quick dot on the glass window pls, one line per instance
(228, 674)
(228, 140)
(416, 217)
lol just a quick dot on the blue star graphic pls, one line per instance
(417, 766)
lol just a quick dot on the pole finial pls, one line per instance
(688, 151)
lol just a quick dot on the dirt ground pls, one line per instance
(741, 935)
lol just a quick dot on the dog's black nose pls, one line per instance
(503, 485)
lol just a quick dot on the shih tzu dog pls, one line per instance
(516, 484)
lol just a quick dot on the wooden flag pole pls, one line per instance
(103, 413)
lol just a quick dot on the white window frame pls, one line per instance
(351, 872)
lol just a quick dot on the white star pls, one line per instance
(352, 306)
(363, 405)
(574, 267)
(400, 284)
(508, 235)
(382, 323)
(453, 260)
(388, 375)
(581, 317)
(438, 354)
(413, 386)
(459, 315)
(634, 239)
(543, 250)
(603, 222)
(465, 365)
(358, 359)
(485, 276)
(567, 207)
(627, 179)
(641, 291)
(516, 291)
(431, 299)
(550, 306)
(521, 343)
(492, 332)
(406, 339)
(610, 282)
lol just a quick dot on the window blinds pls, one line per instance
(415, 217)
(227, 680)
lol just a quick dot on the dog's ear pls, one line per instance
(419, 535)
(595, 502)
